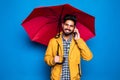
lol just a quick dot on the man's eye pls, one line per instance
(66, 24)
(69, 25)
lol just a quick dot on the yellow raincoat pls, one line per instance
(74, 57)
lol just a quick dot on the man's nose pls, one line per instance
(68, 26)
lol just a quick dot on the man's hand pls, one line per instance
(77, 34)
(57, 59)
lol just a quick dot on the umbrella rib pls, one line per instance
(53, 12)
(75, 13)
(59, 20)
(47, 16)
(43, 26)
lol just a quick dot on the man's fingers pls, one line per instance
(56, 59)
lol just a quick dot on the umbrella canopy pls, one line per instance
(45, 22)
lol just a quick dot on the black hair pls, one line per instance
(70, 17)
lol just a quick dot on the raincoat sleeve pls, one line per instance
(85, 51)
(49, 58)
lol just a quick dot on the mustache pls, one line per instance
(67, 29)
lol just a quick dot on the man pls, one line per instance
(64, 53)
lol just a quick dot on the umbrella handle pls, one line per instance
(58, 55)
(58, 50)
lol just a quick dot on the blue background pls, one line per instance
(22, 59)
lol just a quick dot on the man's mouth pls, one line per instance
(67, 30)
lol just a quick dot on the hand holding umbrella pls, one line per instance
(57, 59)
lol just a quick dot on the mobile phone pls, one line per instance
(75, 33)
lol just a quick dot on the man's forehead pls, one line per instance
(69, 22)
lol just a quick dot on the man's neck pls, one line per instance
(66, 37)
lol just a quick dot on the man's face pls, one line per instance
(68, 27)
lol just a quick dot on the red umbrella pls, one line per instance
(45, 22)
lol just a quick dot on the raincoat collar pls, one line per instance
(59, 41)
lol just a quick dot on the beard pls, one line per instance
(67, 32)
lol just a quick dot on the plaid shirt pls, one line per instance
(65, 67)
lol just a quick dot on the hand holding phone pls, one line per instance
(76, 34)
